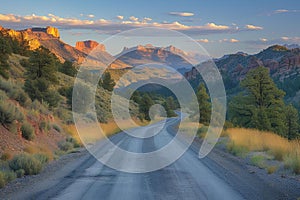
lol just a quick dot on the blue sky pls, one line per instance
(221, 27)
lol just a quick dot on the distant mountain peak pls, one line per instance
(277, 48)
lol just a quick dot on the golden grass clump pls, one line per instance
(279, 147)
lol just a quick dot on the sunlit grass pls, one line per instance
(92, 133)
(281, 149)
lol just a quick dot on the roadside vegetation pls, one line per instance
(261, 126)
(36, 122)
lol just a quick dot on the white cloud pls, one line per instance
(203, 41)
(233, 40)
(229, 40)
(133, 18)
(91, 16)
(284, 38)
(280, 11)
(111, 27)
(253, 27)
(120, 17)
(182, 14)
(263, 39)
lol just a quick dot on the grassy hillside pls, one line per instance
(36, 123)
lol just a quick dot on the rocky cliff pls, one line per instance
(88, 46)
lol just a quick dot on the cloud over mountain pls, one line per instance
(111, 27)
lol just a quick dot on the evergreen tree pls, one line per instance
(144, 106)
(107, 82)
(260, 105)
(68, 68)
(5, 50)
(204, 104)
(292, 120)
(40, 75)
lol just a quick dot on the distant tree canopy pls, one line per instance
(261, 105)
(68, 68)
(40, 75)
(107, 82)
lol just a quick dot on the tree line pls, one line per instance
(260, 105)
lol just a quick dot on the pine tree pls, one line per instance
(5, 50)
(292, 120)
(68, 68)
(107, 82)
(204, 104)
(260, 105)
(40, 75)
(144, 106)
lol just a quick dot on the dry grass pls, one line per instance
(92, 133)
(254, 140)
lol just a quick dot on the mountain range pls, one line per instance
(282, 61)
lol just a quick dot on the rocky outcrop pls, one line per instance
(52, 31)
(281, 61)
(145, 54)
(88, 46)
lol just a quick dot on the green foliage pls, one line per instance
(68, 68)
(237, 150)
(293, 162)
(258, 161)
(42, 158)
(14, 91)
(202, 131)
(41, 74)
(44, 126)
(56, 127)
(74, 142)
(65, 145)
(260, 105)
(204, 104)
(6, 176)
(9, 113)
(107, 82)
(28, 163)
(5, 50)
(20, 173)
(144, 106)
(27, 131)
(291, 122)
(8, 46)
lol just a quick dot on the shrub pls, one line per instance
(6, 156)
(237, 150)
(20, 173)
(258, 161)
(293, 162)
(43, 158)
(5, 177)
(271, 169)
(27, 131)
(28, 163)
(44, 126)
(9, 113)
(75, 143)
(65, 146)
(20, 96)
(56, 127)
(202, 131)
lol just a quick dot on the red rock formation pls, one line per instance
(88, 46)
